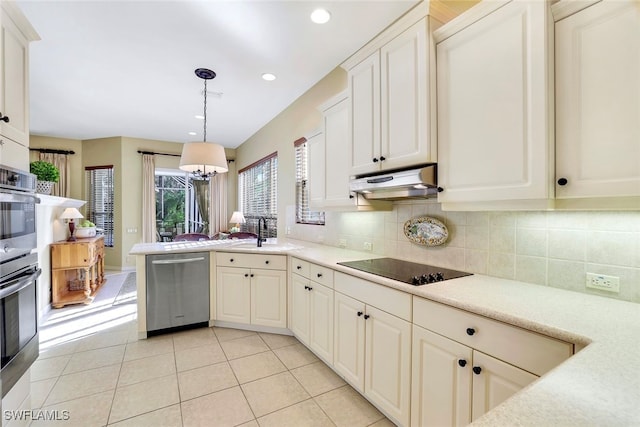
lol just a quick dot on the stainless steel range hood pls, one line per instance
(415, 183)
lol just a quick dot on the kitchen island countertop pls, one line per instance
(598, 386)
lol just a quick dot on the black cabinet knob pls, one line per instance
(462, 363)
(231, 260)
(382, 158)
(477, 370)
(366, 316)
(299, 267)
(266, 262)
(360, 313)
(246, 275)
(251, 274)
(306, 287)
(563, 181)
(4, 118)
(470, 331)
(440, 189)
(309, 288)
(375, 160)
(351, 196)
(319, 274)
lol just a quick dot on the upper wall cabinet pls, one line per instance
(597, 99)
(15, 35)
(391, 83)
(494, 94)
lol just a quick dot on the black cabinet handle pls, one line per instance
(563, 181)
(266, 262)
(477, 370)
(440, 189)
(366, 316)
(470, 331)
(375, 160)
(382, 158)
(462, 363)
(306, 287)
(4, 118)
(360, 313)
(319, 274)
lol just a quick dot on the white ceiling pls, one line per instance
(126, 68)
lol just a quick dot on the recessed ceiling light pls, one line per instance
(192, 133)
(320, 16)
(199, 117)
(268, 77)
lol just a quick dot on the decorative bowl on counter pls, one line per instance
(82, 232)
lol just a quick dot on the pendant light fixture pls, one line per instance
(203, 159)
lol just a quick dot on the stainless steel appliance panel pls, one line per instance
(177, 290)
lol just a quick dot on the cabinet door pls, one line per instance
(441, 387)
(336, 141)
(316, 162)
(15, 82)
(233, 292)
(269, 298)
(598, 101)
(348, 356)
(13, 154)
(493, 103)
(405, 113)
(495, 383)
(300, 308)
(388, 363)
(321, 321)
(364, 115)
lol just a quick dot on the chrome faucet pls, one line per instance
(264, 226)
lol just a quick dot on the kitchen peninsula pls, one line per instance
(596, 386)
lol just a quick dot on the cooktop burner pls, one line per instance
(405, 271)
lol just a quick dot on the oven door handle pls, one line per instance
(19, 284)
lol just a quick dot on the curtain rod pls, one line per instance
(171, 154)
(49, 150)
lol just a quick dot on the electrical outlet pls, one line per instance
(342, 243)
(288, 230)
(132, 230)
(603, 282)
(367, 246)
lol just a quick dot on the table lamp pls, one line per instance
(71, 214)
(238, 219)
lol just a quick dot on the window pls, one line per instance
(177, 207)
(99, 185)
(258, 194)
(304, 215)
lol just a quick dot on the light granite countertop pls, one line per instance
(598, 386)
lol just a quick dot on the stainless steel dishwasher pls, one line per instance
(177, 291)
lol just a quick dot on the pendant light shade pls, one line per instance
(203, 159)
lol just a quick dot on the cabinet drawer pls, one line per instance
(264, 261)
(390, 300)
(525, 349)
(321, 275)
(300, 267)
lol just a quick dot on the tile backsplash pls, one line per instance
(555, 248)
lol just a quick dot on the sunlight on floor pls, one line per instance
(78, 321)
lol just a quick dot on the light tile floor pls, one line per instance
(93, 366)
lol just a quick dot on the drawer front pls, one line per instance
(322, 275)
(300, 267)
(525, 349)
(264, 261)
(387, 299)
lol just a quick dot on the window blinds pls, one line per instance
(258, 190)
(304, 215)
(100, 195)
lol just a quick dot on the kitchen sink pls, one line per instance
(269, 245)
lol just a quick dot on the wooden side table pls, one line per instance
(77, 270)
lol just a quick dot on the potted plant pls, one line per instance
(47, 175)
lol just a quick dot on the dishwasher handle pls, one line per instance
(176, 261)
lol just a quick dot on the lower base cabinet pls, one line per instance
(453, 384)
(372, 351)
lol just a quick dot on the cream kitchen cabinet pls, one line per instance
(311, 307)
(464, 364)
(15, 35)
(251, 289)
(391, 113)
(13, 154)
(597, 99)
(372, 349)
(494, 104)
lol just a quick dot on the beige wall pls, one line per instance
(298, 120)
(75, 160)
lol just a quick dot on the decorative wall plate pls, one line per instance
(426, 231)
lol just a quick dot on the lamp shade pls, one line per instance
(71, 213)
(237, 218)
(205, 157)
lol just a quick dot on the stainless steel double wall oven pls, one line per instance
(18, 274)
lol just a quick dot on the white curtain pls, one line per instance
(218, 216)
(63, 187)
(148, 198)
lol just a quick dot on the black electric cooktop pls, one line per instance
(405, 271)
